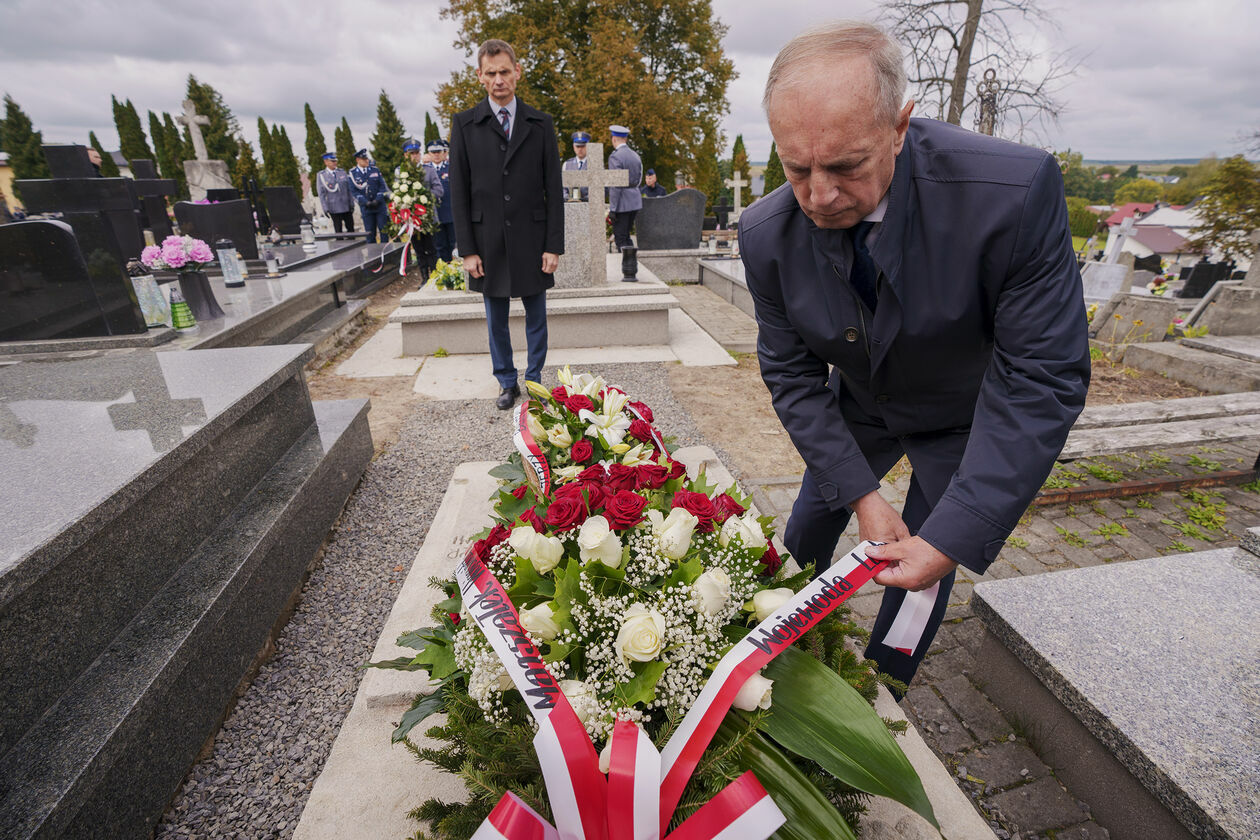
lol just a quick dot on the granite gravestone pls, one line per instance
(585, 237)
(203, 173)
(1203, 276)
(737, 183)
(151, 192)
(226, 194)
(285, 209)
(49, 290)
(671, 222)
(226, 220)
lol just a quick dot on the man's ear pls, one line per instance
(903, 125)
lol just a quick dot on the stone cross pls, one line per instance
(1121, 233)
(587, 246)
(195, 121)
(735, 184)
(1253, 271)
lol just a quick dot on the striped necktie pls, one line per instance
(505, 119)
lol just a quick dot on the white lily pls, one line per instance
(638, 454)
(610, 428)
(585, 383)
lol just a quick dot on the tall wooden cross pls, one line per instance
(735, 184)
(195, 121)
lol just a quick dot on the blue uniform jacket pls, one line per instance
(980, 329)
(368, 186)
(333, 187)
(625, 199)
(444, 206)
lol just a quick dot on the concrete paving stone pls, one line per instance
(961, 593)
(1052, 512)
(1078, 557)
(953, 662)
(1111, 550)
(1036, 543)
(1042, 525)
(1000, 569)
(866, 605)
(1085, 831)
(1037, 806)
(1089, 520)
(1004, 764)
(968, 633)
(973, 708)
(1024, 562)
(1111, 508)
(933, 715)
(954, 611)
(1154, 534)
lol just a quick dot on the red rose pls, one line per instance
(566, 512)
(590, 494)
(577, 402)
(642, 430)
(559, 394)
(726, 507)
(650, 475)
(676, 469)
(454, 617)
(581, 451)
(621, 477)
(594, 473)
(519, 492)
(481, 550)
(771, 562)
(497, 535)
(698, 505)
(531, 518)
(641, 410)
(624, 509)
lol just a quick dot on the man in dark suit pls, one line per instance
(932, 270)
(508, 205)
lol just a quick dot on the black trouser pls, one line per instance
(444, 240)
(343, 222)
(622, 225)
(422, 248)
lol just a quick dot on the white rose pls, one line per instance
(754, 693)
(578, 694)
(540, 621)
(712, 591)
(673, 531)
(535, 426)
(558, 435)
(746, 527)
(767, 601)
(605, 756)
(596, 541)
(424, 199)
(541, 551)
(641, 635)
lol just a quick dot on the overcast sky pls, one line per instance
(1158, 78)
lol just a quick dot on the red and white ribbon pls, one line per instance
(537, 471)
(911, 620)
(643, 788)
(656, 436)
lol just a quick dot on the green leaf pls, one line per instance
(642, 689)
(508, 472)
(557, 651)
(809, 815)
(526, 578)
(684, 573)
(401, 663)
(451, 605)
(509, 507)
(440, 658)
(568, 591)
(425, 705)
(819, 716)
(421, 638)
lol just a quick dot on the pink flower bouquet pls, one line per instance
(177, 253)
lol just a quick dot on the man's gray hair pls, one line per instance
(494, 47)
(838, 39)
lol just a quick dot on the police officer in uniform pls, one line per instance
(333, 186)
(445, 237)
(423, 243)
(650, 188)
(578, 161)
(370, 191)
(624, 202)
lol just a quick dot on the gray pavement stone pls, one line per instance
(937, 723)
(1004, 764)
(1039, 805)
(1085, 831)
(973, 709)
(939, 667)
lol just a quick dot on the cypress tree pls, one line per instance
(315, 145)
(774, 171)
(109, 169)
(131, 140)
(159, 139)
(222, 132)
(739, 160)
(343, 142)
(268, 155)
(246, 165)
(431, 132)
(286, 161)
(174, 153)
(390, 135)
(19, 138)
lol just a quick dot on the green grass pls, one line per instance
(1111, 529)
(1187, 529)
(1204, 464)
(440, 353)
(1017, 542)
(1252, 486)
(1145, 503)
(1071, 537)
(1102, 472)
(1179, 546)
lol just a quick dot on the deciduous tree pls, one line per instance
(1139, 189)
(109, 169)
(390, 135)
(1229, 210)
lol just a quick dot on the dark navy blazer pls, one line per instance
(980, 329)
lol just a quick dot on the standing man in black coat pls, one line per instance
(508, 203)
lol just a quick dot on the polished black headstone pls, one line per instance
(111, 199)
(671, 222)
(285, 209)
(59, 282)
(69, 161)
(723, 213)
(223, 194)
(1203, 277)
(226, 220)
(1151, 263)
(143, 169)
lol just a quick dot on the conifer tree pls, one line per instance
(431, 131)
(246, 165)
(343, 144)
(739, 159)
(315, 146)
(19, 138)
(266, 149)
(109, 169)
(159, 139)
(223, 131)
(390, 135)
(287, 169)
(774, 171)
(175, 151)
(131, 140)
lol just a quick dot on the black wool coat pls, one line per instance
(507, 198)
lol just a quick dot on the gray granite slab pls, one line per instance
(1245, 347)
(1160, 660)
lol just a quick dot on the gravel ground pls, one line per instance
(264, 760)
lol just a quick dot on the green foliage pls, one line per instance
(656, 66)
(1186, 529)
(19, 138)
(174, 152)
(1070, 537)
(1178, 545)
(1017, 542)
(774, 171)
(739, 162)
(1207, 509)
(431, 131)
(287, 172)
(266, 147)
(131, 139)
(223, 130)
(388, 140)
(246, 165)
(1229, 210)
(1192, 182)
(109, 169)
(315, 146)
(1140, 189)
(1111, 529)
(1079, 181)
(343, 144)
(1199, 463)
(1103, 472)
(1252, 486)
(1082, 220)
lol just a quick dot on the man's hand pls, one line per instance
(877, 521)
(472, 264)
(913, 564)
(550, 261)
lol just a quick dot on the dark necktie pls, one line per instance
(863, 275)
(505, 120)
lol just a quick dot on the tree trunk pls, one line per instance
(962, 69)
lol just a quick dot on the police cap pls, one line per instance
(581, 138)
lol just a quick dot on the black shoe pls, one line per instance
(507, 397)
